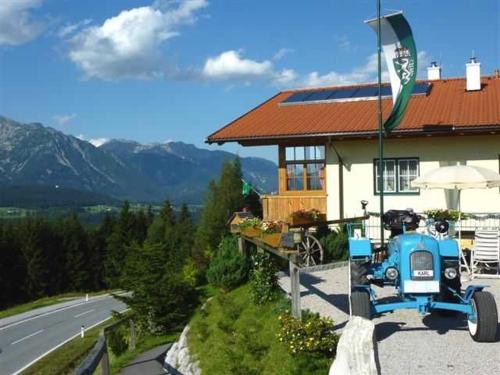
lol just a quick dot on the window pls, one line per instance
(305, 168)
(397, 175)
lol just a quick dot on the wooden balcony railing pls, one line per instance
(279, 207)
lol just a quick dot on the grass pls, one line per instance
(64, 359)
(43, 302)
(232, 335)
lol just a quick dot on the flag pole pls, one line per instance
(380, 125)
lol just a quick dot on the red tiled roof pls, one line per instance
(447, 104)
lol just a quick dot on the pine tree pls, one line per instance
(76, 251)
(222, 200)
(117, 246)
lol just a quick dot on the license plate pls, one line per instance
(412, 286)
(423, 273)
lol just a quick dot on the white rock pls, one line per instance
(356, 349)
(179, 359)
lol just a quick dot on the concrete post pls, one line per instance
(242, 246)
(133, 338)
(295, 288)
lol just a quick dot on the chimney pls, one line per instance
(433, 71)
(473, 75)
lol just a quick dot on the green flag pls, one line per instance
(246, 188)
(401, 58)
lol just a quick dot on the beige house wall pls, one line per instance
(433, 152)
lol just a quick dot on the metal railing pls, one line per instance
(99, 353)
(475, 220)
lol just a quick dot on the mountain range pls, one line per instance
(35, 155)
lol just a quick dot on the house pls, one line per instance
(328, 145)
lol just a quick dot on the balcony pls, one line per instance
(279, 207)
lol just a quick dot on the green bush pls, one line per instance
(229, 268)
(263, 279)
(312, 334)
(116, 341)
(335, 245)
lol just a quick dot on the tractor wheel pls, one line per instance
(359, 272)
(361, 305)
(484, 329)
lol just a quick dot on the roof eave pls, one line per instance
(445, 130)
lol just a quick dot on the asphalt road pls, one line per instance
(26, 340)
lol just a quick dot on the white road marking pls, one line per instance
(62, 343)
(52, 312)
(83, 313)
(26, 337)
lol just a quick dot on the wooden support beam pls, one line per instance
(295, 288)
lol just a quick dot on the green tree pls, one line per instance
(117, 245)
(12, 268)
(76, 250)
(223, 198)
(161, 298)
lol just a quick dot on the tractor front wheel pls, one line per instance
(484, 327)
(360, 304)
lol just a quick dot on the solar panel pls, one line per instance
(297, 97)
(341, 94)
(421, 88)
(319, 95)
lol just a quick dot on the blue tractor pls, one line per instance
(425, 272)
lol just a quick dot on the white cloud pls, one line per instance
(128, 45)
(282, 52)
(230, 65)
(344, 43)
(16, 22)
(72, 27)
(63, 119)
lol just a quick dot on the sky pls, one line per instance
(159, 70)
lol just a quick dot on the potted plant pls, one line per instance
(306, 217)
(251, 227)
(271, 232)
(449, 215)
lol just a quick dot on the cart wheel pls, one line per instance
(360, 304)
(310, 251)
(484, 327)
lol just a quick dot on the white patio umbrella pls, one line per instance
(458, 177)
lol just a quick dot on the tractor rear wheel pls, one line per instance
(484, 328)
(359, 272)
(360, 304)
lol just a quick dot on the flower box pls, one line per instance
(251, 232)
(296, 220)
(272, 239)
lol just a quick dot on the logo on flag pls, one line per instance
(401, 58)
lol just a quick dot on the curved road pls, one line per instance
(24, 341)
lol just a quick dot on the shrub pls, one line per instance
(263, 279)
(335, 245)
(116, 341)
(192, 273)
(312, 334)
(229, 268)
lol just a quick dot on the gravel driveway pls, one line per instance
(408, 344)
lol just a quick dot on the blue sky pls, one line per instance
(154, 71)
